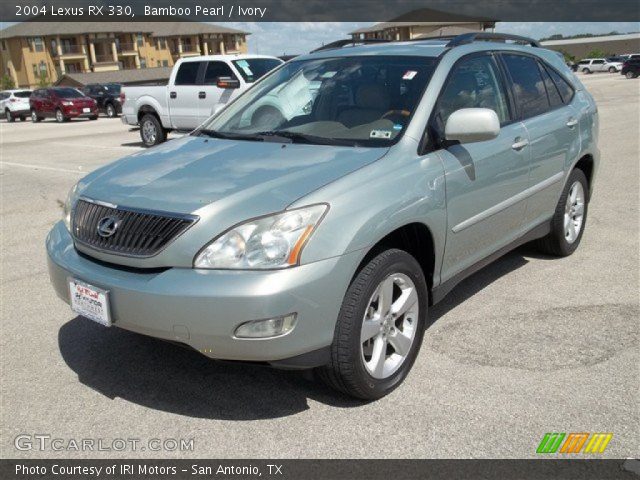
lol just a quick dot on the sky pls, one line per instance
(270, 38)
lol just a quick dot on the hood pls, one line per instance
(191, 173)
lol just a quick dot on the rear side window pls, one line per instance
(473, 83)
(216, 70)
(565, 89)
(188, 73)
(528, 87)
(552, 91)
(23, 94)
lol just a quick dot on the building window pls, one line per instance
(143, 63)
(140, 40)
(165, 63)
(4, 45)
(161, 43)
(35, 70)
(36, 44)
(54, 46)
(158, 63)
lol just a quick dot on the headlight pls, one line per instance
(68, 104)
(68, 206)
(275, 241)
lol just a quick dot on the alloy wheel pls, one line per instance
(574, 212)
(149, 133)
(8, 115)
(111, 112)
(389, 325)
(59, 116)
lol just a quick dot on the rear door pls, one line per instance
(184, 102)
(544, 101)
(210, 95)
(47, 103)
(484, 180)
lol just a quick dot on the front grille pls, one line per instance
(136, 233)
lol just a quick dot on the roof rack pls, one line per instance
(344, 43)
(467, 38)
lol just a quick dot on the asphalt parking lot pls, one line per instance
(529, 345)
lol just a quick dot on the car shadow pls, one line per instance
(171, 378)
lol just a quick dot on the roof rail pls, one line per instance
(467, 38)
(344, 43)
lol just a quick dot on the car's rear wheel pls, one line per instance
(380, 327)
(22, 118)
(34, 117)
(60, 116)
(586, 70)
(8, 116)
(630, 75)
(93, 117)
(151, 132)
(569, 220)
(111, 111)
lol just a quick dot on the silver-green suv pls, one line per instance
(314, 221)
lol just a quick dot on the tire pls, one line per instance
(22, 118)
(612, 70)
(10, 118)
(95, 117)
(586, 71)
(151, 131)
(559, 242)
(349, 370)
(630, 75)
(60, 118)
(111, 110)
(34, 117)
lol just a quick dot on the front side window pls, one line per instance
(216, 70)
(361, 100)
(473, 83)
(528, 87)
(68, 93)
(188, 73)
(253, 69)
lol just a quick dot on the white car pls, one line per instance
(198, 88)
(15, 104)
(590, 65)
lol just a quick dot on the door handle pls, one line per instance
(202, 94)
(572, 122)
(519, 144)
(173, 95)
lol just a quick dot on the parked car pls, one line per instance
(591, 65)
(15, 104)
(198, 87)
(106, 96)
(61, 103)
(322, 240)
(631, 68)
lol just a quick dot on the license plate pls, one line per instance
(86, 109)
(90, 302)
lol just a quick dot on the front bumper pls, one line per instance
(202, 308)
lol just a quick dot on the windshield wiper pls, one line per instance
(229, 136)
(297, 137)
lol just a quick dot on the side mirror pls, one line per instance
(228, 82)
(469, 125)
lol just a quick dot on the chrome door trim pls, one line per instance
(508, 202)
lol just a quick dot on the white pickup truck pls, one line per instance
(198, 88)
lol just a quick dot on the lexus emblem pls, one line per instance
(107, 226)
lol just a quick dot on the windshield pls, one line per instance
(253, 69)
(364, 100)
(22, 94)
(68, 93)
(113, 88)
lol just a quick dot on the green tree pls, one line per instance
(597, 53)
(6, 82)
(43, 80)
(568, 57)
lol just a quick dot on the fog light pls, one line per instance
(271, 327)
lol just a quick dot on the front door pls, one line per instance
(184, 104)
(484, 180)
(212, 97)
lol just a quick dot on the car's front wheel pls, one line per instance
(60, 118)
(380, 327)
(34, 117)
(630, 75)
(612, 70)
(151, 131)
(111, 110)
(569, 220)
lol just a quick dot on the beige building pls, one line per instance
(32, 51)
(608, 44)
(399, 31)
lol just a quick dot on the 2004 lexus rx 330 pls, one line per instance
(313, 221)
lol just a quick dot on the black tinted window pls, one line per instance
(188, 73)
(216, 70)
(252, 69)
(528, 88)
(552, 91)
(67, 93)
(474, 83)
(24, 94)
(565, 89)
